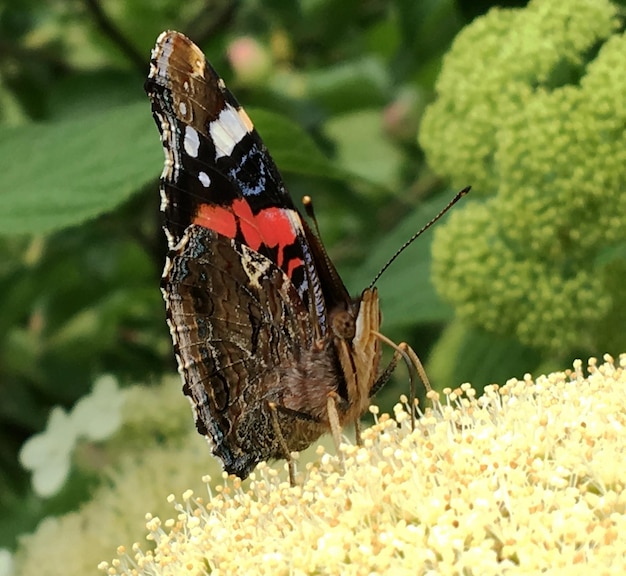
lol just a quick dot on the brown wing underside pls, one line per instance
(243, 338)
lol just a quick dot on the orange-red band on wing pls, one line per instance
(217, 218)
(272, 227)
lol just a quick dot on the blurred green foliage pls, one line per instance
(338, 100)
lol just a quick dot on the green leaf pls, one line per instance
(62, 174)
(363, 149)
(350, 86)
(65, 173)
(406, 292)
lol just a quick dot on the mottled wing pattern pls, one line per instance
(237, 323)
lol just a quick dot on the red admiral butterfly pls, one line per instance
(272, 350)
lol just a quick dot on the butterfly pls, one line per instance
(272, 349)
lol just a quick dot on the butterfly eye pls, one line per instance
(343, 324)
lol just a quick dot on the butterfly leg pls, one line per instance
(335, 427)
(283, 444)
(357, 432)
(274, 410)
(414, 364)
(332, 402)
(384, 376)
(419, 368)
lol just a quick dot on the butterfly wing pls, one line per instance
(242, 286)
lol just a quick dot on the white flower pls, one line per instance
(99, 414)
(48, 453)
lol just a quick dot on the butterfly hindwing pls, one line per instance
(235, 329)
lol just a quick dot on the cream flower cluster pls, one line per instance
(527, 478)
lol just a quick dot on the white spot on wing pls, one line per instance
(204, 179)
(172, 155)
(167, 267)
(164, 200)
(192, 142)
(182, 107)
(170, 238)
(227, 131)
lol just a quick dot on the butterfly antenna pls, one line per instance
(307, 202)
(426, 226)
